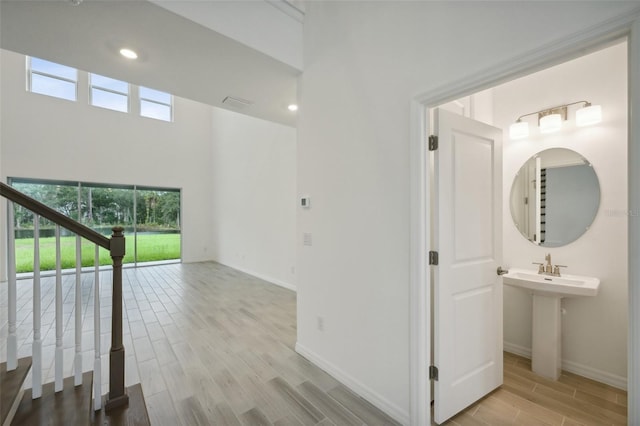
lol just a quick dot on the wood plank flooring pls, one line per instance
(70, 407)
(528, 399)
(210, 346)
(11, 387)
(214, 346)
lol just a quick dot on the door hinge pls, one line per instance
(433, 258)
(433, 372)
(433, 143)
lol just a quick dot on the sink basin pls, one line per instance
(547, 291)
(546, 285)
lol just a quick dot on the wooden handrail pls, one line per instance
(54, 216)
(117, 395)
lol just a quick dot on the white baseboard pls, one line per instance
(517, 349)
(595, 374)
(614, 380)
(272, 280)
(362, 390)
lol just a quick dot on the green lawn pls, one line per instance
(151, 247)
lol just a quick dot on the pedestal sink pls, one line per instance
(546, 358)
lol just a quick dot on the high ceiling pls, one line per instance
(175, 54)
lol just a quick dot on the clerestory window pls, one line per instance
(51, 79)
(155, 104)
(109, 93)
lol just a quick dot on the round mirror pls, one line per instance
(555, 197)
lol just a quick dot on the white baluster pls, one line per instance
(12, 338)
(59, 325)
(78, 314)
(97, 363)
(37, 342)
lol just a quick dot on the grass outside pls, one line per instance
(151, 247)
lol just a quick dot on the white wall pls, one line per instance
(261, 25)
(50, 138)
(594, 330)
(254, 187)
(364, 62)
(237, 173)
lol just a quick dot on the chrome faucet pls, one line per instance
(549, 269)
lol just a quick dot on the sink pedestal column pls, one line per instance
(546, 345)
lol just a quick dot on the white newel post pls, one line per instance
(12, 338)
(37, 341)
(59, 360)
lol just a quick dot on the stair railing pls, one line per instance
(116, 245)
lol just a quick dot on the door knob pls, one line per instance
(501, 271)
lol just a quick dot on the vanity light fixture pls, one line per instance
(588, 115)
(519, 130)
(550, 123)
(550, 119)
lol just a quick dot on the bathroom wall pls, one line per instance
(594, 330)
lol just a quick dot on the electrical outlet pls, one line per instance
(320, 324)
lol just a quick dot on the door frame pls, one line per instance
(551, 54)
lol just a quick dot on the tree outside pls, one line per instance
(151, 218)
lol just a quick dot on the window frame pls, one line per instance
(141, 98)
(134, 226)
(31, 71)
(108, 90)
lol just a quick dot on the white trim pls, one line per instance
(272, 280)
(553, 53)
(517, 349)
(420, 321)
(288, 8)
(558, 51)
(355, 385)
(614, 380)
(633, 369)
(605, 377)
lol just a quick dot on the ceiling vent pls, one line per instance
(237, 103)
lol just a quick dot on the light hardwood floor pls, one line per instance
(210, 345)
(528, 399)
(214, 346)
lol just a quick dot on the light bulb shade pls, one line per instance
(550, 123)
(519, 130)
(589, 115)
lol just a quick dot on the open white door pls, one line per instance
(468, 239)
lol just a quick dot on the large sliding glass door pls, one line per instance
(150, 216)
(157, 224)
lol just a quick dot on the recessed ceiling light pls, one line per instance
(293, 107)
(128, 53)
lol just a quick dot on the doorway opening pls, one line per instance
(570, 221)
(423, 207)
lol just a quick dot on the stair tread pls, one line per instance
(11, 385)
(135, 414)
(69, 407)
